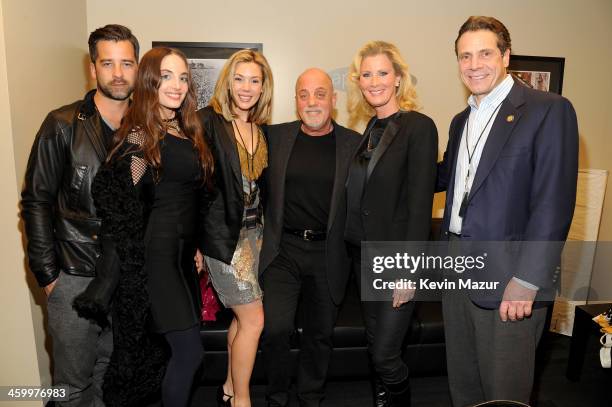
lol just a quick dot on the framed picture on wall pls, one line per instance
(543, 73)
(206, 60)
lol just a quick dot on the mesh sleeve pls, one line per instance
(139, 164)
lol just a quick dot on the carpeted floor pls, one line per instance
(552, 388)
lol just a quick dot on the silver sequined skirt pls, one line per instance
(237, 283)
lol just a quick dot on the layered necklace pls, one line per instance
(250, 156)
(250, 161)
(173, 124)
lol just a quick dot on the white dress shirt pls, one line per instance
(481, 118)
(475, 133)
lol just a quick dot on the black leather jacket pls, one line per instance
(57, 208)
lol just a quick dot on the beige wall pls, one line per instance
(46, 50)
(43, 63)
(18, 351)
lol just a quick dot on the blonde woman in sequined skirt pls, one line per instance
(233, 231)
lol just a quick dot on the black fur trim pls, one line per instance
(139, 358)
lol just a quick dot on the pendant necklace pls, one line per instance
(250, 157)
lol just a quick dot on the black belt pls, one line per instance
(454, 236)
(307, 234)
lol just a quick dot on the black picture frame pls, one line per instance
(206, 60)
(544, 73)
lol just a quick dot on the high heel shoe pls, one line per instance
(221, 395)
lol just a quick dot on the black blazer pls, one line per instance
(281, 139)
(224, 220)
(401, 176)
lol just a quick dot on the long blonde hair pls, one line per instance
(358, 107)
(222, 101)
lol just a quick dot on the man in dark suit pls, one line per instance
(510, 172)
(303, 253)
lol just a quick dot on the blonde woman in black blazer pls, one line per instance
(389, 197)
(233, 231)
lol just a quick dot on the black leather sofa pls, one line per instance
(424, 345)
(424, 350)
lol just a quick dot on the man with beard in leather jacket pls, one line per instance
(59, 213)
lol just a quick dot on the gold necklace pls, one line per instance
(250, 156)
(172, 124)
(250, 162)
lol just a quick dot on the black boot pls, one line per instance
(399, 393)
(380, 393)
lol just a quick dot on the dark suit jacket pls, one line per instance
(224, 220)
(398, 195)
(281, 139)
(525, 185)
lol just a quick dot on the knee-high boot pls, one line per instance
(380, 393)
(399, 393)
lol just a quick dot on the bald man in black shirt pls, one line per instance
(303, 251)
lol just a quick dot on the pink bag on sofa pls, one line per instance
(210, 303)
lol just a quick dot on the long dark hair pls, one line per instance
(144, 115)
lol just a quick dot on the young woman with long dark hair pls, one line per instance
(151, 196)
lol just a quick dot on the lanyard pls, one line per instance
(466, 193)
(467, 135)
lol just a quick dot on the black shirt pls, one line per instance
(310, 181)
(354, 232)
(376, 133)
(107, 133)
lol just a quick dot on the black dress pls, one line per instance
(170, 237)
(145, 276)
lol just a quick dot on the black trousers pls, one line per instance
(386, 328)
(297, 272)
